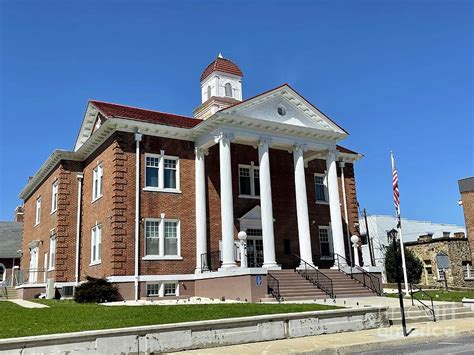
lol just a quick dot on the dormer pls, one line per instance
(221, 87)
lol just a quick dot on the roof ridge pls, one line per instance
(143, 109)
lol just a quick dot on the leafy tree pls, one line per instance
(414, 265)
(96, 290)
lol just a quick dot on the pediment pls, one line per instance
(284, 105)
(254, 214)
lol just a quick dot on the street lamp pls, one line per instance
(392, 236)
(355, 244)
(242, 246)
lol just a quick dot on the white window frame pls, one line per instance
(54, 196)
(97, 181)
(228, 85)
(161, 239)
(438, 274)
(326, 191)
(52, 253)
(161, 173)
(469, 270)
(96, 240)
(161, 288)
(38, 211)
(252, 169)
(330, 241)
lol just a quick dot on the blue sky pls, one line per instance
(397, 75)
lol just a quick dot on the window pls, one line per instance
(153, 289)
(54, 197)
(170, 289)
(152, 237)
(249, 182)
(228, 90)
(467, 270)
(161, 173)
(446, 234)
(38, 211)
(171, 238)
(96, 244)
(162, 289)
(428, 267)
(52, 252)
(208, 92)
(441, 274)
(170, 174)
(281, 110)
(320, 188)
(162, 239)
(97, 182)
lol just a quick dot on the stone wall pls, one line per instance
(458, 252)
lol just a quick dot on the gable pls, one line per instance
(284, 105)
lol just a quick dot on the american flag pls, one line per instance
(396, 193)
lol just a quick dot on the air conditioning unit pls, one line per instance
(67, 292)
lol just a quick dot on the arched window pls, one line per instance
(208, 92)
(228, 90)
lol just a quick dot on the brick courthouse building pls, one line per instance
(153, 201)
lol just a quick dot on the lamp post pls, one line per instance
(392, 235)
(355, 244)
(242, 246)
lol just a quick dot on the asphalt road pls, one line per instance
(458, 346)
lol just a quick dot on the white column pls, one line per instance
(344, 203)
(334, 205)
(304, 235)
(356, 255)
(266, 205)
(227, 204)
(201, 217)
(80, 176)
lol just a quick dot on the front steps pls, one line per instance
(8, 292)
(344, 286)
(417, 313)
(294, 287)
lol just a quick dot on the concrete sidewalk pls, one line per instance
(344, 343)
(27, 304)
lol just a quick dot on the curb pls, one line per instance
(376, 345)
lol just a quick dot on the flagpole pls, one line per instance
(399, 223)
(404, 264)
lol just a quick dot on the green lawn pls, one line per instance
(441, 295)
(68, 316)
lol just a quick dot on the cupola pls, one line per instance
(221, 87)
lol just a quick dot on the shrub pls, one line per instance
(96, 290)
(414, 265)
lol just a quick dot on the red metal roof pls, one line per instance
(114, 110)
(222, 65)
(345, 150)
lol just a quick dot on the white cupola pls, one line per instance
(221, 87)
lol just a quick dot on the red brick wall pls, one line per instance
(115, 210)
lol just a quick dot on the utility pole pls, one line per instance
(371, 251)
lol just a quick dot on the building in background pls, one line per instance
(379, 225)
(10, 248)
(454, 250)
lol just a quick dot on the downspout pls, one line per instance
(78, 224)
(346, 217)
(138, 138)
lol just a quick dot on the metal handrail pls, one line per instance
(374, 284)
(273, 286)
(320, 280)
(432, 309)
(207, 263)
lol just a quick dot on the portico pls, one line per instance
(305, 138)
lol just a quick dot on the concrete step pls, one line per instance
(428, 318)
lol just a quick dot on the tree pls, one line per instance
(414, 265)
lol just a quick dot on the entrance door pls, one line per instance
(254, 248)
(33, 264)
(325, 242)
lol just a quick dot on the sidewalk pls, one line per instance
(27, 304)
(343, 343)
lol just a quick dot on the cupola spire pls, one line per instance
(221, 87)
